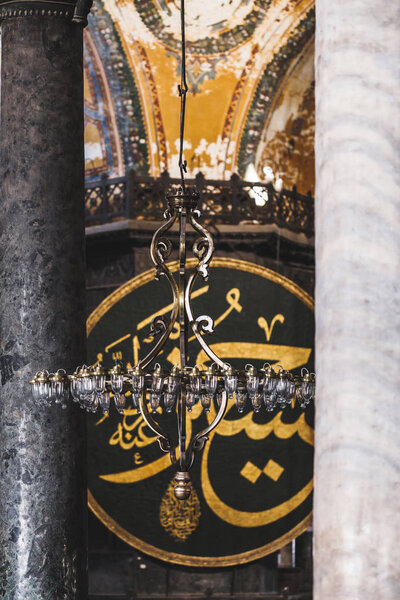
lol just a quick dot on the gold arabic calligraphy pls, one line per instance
(133, 434)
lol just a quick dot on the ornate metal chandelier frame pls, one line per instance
(180, 389)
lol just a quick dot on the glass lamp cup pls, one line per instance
(104, 401)
(191, 400)
(94, 402)
(84, 401)
(240, 399)
(291, 389)
(99, 383)
(117, 383)
(206, 400)
(252, 380)
(157, 380)
(211, 381)
(74, 389)
(135, 400)
(312, 390)
(172, 384)
(44, 390)
(137, 379)
(282, 388)
(57, 391)
(270, 380)
(173, 381)
(41, 387)
(89, 401)
(169, 401)
(99, 379)
(195, 380)
(306, 389)
(87, 384)
(155, 401)
(230, 381)
(137, 383)
(299, 398)
(36, 390)
(117, 379)
(119, 400)
(256, 401)
(64, 401)
(57, 388)
(51, 395)
(270, 401)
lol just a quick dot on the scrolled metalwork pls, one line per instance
(159, 325)
(202, 324)
(200, 439)
(203, 247)
(205, 324)
(160, 250)
(164, 440)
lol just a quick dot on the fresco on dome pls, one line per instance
(250, 73)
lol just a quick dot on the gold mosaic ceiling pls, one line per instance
(250, 71)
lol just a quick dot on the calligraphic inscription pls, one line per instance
(252, 484)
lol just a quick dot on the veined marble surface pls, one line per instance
(357, 458)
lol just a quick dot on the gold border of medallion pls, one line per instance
(129, 538)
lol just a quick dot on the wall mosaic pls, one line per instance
(240, 54)
(291, 150)
(267, 89)
(122, 102)
(102, 141)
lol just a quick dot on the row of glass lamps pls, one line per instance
(91, 386)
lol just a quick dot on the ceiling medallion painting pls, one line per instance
(215, 26)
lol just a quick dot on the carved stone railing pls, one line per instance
(230, 202)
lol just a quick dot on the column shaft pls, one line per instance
(357, 447)
(43, 462)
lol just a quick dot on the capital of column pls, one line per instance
(77, 11)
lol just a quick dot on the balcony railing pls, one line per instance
(233, 202)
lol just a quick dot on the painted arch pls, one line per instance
(242, 56)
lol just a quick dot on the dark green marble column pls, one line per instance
(42, 450)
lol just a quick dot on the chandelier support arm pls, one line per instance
(201, 324)
(199, 440)
(163, 438)
(183, 335)
(160, 250)
(203, 247)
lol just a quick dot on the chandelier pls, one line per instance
(151, 390)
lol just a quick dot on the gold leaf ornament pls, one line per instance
(179, 518)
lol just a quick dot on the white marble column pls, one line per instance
(357, 458)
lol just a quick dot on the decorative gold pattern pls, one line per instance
(273, 470)
(180, 518)
(250, 472)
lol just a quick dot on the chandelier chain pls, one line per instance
(183, 90)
